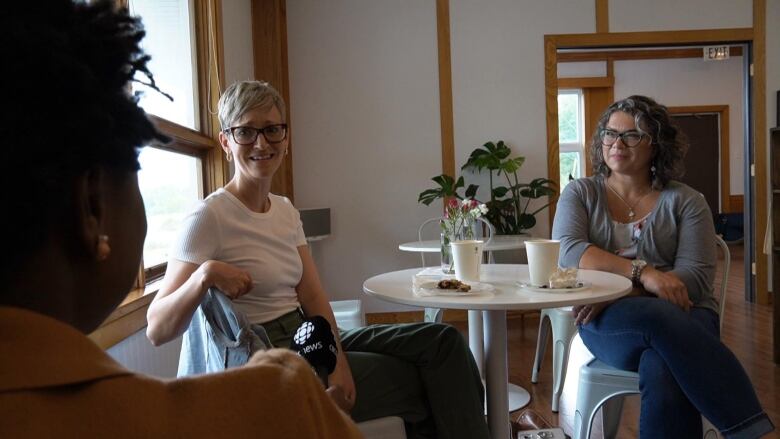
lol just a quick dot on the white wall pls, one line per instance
(658, 15)
(237, 40)
(585, 69)
(498, 77)
(138, 354)
(365, 114)
(682, 82)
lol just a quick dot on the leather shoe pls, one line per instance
(528, 419)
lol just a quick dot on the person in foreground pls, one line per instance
(249, 243)
(633, 219)
(75, 230)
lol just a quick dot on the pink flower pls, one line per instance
(453, 203)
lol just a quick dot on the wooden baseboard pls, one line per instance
(450, 316)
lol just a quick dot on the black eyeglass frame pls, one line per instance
(622, 138)
(258, 131)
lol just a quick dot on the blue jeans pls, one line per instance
(684, 369)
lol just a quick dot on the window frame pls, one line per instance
(130, 316)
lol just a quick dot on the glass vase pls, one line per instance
(464, 230)
(447, 263)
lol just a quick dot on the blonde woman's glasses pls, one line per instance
(248, 135)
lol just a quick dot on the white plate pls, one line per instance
(476, 288)
(580, 287)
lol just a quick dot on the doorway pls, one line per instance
(701, 162)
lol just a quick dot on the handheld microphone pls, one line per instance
(314, 341)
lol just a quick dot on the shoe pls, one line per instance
(528, 419)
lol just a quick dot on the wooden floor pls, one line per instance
(747, 330)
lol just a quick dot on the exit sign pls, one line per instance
(716, 53)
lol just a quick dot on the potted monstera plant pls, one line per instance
(512, 207)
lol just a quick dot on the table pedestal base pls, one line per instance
(518, 397)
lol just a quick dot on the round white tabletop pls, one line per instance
(498, 243)
(506, 294)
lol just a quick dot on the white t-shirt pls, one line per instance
(265, 245)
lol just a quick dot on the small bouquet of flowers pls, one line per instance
(458, 224)
(459, 217)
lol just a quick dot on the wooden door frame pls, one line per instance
(728, 203)
(552, 43)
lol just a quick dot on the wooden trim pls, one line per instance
(600, 81)
(725, 168)
(759, 150)
(191, 139)
(637, 54)
(211, 70)
(445, 87)
(269, 38)
(595, 100)
(655, 38)
(736, 203)
(551, 104)
(123, 322)
(552, 43)
(602, 16)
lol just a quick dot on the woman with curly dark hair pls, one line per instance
(632, 218)
(75, 227)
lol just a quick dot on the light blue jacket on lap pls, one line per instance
(218, 337)
(678, 235)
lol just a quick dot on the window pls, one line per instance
(173, 177)
(169, 42)
(184, 37)
(170, 184)
(571, 135)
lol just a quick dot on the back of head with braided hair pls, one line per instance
(66, 109)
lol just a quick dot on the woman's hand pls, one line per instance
(584, 314)
(666, 286)
(232, 281)
(336, 393)
(342, 385)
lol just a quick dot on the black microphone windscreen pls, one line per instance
(314, 341)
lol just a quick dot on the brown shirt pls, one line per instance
(55, 382)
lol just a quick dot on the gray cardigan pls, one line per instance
(678, 236)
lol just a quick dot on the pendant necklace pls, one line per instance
(631, 213)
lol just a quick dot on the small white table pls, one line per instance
(498, 243)
(396, 287)
(518, 396)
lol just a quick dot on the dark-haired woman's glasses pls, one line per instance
(629, 138)
(248, 135)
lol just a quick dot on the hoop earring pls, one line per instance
(102, 249)
(229, 156)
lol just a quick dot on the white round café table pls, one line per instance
(518, 397)
(506, 295)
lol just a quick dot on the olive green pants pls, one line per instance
(421, 372)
